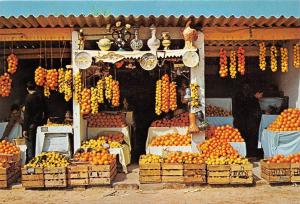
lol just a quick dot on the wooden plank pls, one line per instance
(264, 164)
(32, 177)
(194, 166)
(172, 179)
(150, 172)
(55, 176)
(78, 182)
(172, 166)
(56, 183)
(78, 168)
(218, 173)
(100, 181)
(218, 167)
(32, 171)
(191, 172)
(55, 170)
(78, 175)
(99, 174)
(194, 179)
(172, 172)
(241, 167)
(101, 167)
(218, 180)
(238, 180)
(33, 184)
(150, 179)
(150, 166)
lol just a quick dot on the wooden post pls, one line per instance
(79, 124)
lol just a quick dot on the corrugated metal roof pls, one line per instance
(160, 21)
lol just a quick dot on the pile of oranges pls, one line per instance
(223, 72)
(241, 60)
(228, 134)
(174, 158)
(40, 76)
(85, 105)
(12, 61)
(116, 136)
(181, 120)
(106, 120)
(96, 158)
(192, 158)
(150, 159)
(293, 158)
(215, 111)
(52, 79)
(288, 120)
(8, 148)
(174, 139)
(5, 85)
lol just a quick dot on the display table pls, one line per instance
(275, 143)
(265, 121)
(53, 138)
(124, 151)
(16, 131)
(225, 103)
(240, 147)
(220, 121)
(159, 131)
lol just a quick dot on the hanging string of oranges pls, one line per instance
(12, 61)
(262, 56)
(46, 90)
(68, 85)
(100, 88)
(61, 80)
(115, 94)
(223, 72)
(296, 53)
(173, 96)
(165, 93)
(52, 79)
(94, 100)
(5, 85)
(85, 105)
(274, 58)
(40, 76)
(284, 59)
(77, 87)
(108, 87)
(241, 60)
(232, 67)
(195, 102)
(158, 100)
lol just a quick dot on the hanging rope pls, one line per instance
(4, 61)
(40, 53)
(46, 55)
(51, 54)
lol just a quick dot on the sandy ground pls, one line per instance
(224, 195)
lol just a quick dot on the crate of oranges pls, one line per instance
(77, 174)
(9, 173)
(172, 168)
(194, 168)
(9, 152)
(276, 169)
(150, 168)
(241, 173)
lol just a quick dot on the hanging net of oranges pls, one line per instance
(5, 85)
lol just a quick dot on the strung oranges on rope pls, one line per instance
(284, 59)
(223, 72)
(12, 61)
(232, 67)
(262, 56)
(241, 61)
(274, 58)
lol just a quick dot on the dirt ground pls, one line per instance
(224, 195)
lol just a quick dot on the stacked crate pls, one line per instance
(241, 173)
(218, 174)
(102, 174)
(295, 172)
(55, 177)
(194, 173)
(78, 174)
(276, 172)
(172, 173)
(9, 174)
(33, 178)
(150, 173)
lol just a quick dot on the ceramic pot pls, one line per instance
(136, 44)
(190, 35)
(166, 42)
(153, 43)
(104, 44)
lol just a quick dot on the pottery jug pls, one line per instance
(136, 44)
(190, 35)
(166, 42)
(104, 44)
(153, 43)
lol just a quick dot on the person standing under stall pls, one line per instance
(247, 115)
(35, 114)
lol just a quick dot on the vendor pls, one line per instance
(182, 104)
(34, 116)
(68, 118)
(247, 115)
(14, 120)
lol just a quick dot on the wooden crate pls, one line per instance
(218, 174)
(9, 174)
(194, 173)
(150, 173)
(78, 174)
(102, 174)
(55, 177)
(275, 173)
(10, 157)
(33, 178)
(172, 173)
(295, 172)
(241, 173)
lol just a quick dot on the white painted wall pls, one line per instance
(289, 82)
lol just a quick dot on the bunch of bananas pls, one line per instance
(165, 93)
(77, 87)
(262, 56)
(115, 93)
(241, 61)
(68, 85)
(195, 102)
(108, 87)
(232, 67)
(158, 97)
(100, 88)
(61, 80)
(284, 59)
(85, 105)
(223, 72)
(273, 58)
(173, 96)
(48, 159)
(296, 53)
(94, 100)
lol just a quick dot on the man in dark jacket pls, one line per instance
(34, 116)
(247, 115)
